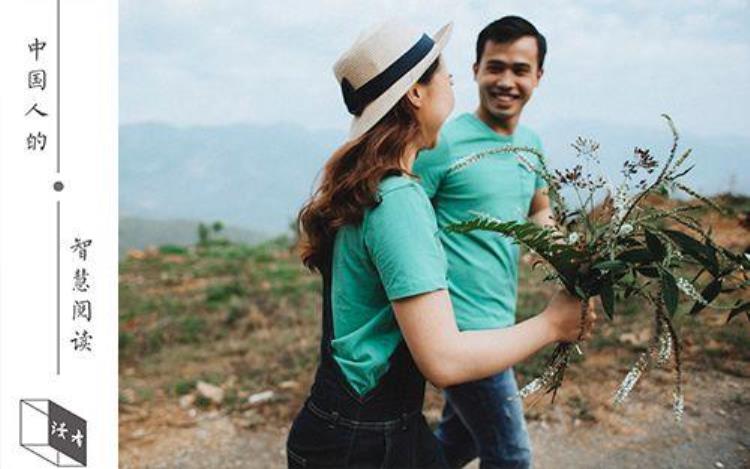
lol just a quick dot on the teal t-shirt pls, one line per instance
(394, 253)
(482, 265)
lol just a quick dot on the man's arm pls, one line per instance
(541, 214)
(540, 211)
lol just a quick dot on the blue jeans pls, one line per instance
(382, 429)
(483, 419)
(322, 439)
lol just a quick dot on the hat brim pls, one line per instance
(385, 102)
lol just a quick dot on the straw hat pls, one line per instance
(381, 66)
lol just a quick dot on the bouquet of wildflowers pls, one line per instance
(614, 244)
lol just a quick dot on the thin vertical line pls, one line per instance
(58, 86)
(59, 138)
(58, 287)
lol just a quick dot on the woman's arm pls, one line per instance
(447, 356)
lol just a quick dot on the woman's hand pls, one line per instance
(447, 356)
(563, 315)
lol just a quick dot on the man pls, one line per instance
(481, 418)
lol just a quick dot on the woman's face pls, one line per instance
(437, 104)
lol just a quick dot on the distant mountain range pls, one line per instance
(257, 177)
(249, 176)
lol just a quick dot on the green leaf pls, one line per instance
(679, 175)
(686, 242)
(628, 242)
(563, 258)
(648, 271)
(611, 266)
(709, 293)
(607, 295)
(669, 292)
(703, 253)
(641, 256)
(655, 246)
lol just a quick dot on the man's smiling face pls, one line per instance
(506, 76)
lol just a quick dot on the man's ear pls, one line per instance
(475, 69)
(415, 95)
(539, 74)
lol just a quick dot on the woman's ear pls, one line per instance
(415, 95)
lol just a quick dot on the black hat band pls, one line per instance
(357, 100)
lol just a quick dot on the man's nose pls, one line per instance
(504, 80)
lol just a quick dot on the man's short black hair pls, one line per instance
(508, 29)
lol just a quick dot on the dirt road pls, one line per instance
(715, 433)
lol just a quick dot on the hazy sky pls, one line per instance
(624, 62)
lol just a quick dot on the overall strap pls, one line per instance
(399, 391)
(326, 271)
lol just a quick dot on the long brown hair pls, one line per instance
(351, 177)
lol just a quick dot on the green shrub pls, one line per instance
(191, 329)
(126, 339)
(223, 292)
(183, 387)
(172, 249)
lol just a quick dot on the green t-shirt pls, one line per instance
(482, 265)
(394, 253)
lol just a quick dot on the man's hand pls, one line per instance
(540, 213)
(540, 210)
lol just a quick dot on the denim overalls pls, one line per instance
(385, 428)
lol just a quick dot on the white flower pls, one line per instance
(687, 288)
(678, 405)
(625, 229)
(665, 349)
(621, 202)
(627, 384)
(531, 388)
(573, 238)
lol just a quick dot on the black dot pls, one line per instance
(58, 186)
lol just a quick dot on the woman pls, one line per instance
(371, 232)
